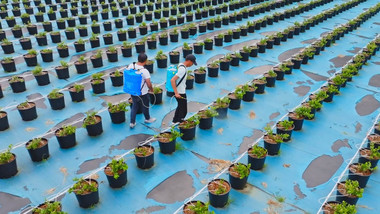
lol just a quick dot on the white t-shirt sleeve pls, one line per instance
(181, 72)
(145, 74)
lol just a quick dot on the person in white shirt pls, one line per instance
(178, 83)
(141, 101)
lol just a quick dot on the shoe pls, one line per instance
(151, 120)
(132, 125)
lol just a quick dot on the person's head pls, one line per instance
(190, 60)
(142, 58)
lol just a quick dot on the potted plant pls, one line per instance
(66, 136)
(270, 78)
(198, 47)
(200, 75)
(221, 105)
(235, 98)
(31, 58)
(235, 59)
(249, 90)
(162, 59)
(371, 154)
(55, 37)
(56, 100)
(206, 117)
(262, 44)
(238, 175)
(97, 83)
(218, 191)
(331, 90)
(47, 55)
(70, 33)
(167, 141)
(94, 40)
(41, 76)
(63, 50)
(189, 80)
(186, 49)
(41, 39)
(360, 172)
(173, 35)
(285, 127)
(93, 124)
(225, 62)
(38, 149)
(156, 96)
(244, 53)
(332, 207)
(86, 192)
(77, 93)
(280, 71)
(256, 157)
(149, 66)
(213, 69)
(97, 60)
(260, 85)
(49, 207)
(126, 49)
(144, 156)
(117, 112)
(81, 65)
(112, 54)
(272, 142)
(174, 57)
(218, 39)
(8, 165)
(349, 191)
(8, 64)
(79, 45)
(163, 38)
(193, 207)
(116, 173)
(188, 127)
(140, 45)
(117, 78)
(17, 84)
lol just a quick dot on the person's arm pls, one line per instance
(174, 86)
(149, 84)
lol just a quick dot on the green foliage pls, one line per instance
(239, 93)
(6, 156)
(258, 151)
(54, 94)
(82, 186)
(366, 167)
(46, 51)
(222, 102)
(67, 130)
(112, 49)
(140, 150)
(34, 144)
(286, 124)
(50, 208)
(201, 70)
(247, 49)
(78, 87)
(127, 44)
(37, 71)
(199, 208)
(174, 134)
(243, 170)
(210, 112)
(160, 55)
(116, 166)
(344, 208)
(98, 54)
(303, 111)
(90, 119)
(190, 122)
(7, 59)
(278, 138)
(14, 79)
(332, 89)
(375, 154)
(32, 52)
(221, 188)
(280, 199)
(97, 77)
(157, 90)
(271, 73)
(186, 46)
(62, 45)
(315, 104)
(118, 107)
(353, 189)
(23, 104)
(338, 80)
(321, 95)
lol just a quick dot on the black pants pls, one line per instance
(140, 102)
(181, 111)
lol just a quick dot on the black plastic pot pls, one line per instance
(271, 81)
(273, 149)
(280, 74)
(47, 57)
(95, 129)
(81, 67)
(58, 103)
(189, 83)
(162, 63)
(28, 114)
(224, 65)
(95, 43)
(222, 112)
(55, 38)
(9, 67)
(188, 134)
(213, 72)
(97, 62)
(283, 131)
(88, 200)
(362, 179)
(147, 161)
(67, 141)
(167, 148)
(119, 182)
(112, 57)
(63, 52)
(39, 154)
(117, 117)
(218, 200)
(18, 87)
(186, 52)
(205, 123)
(43, 79)
(235, 103)
(116, 81)
(248, 96)
(297, 63)
(8, 170)
(98, 88)
(30, 61)
(236, 182)
(77, 96)
(200, 77)
(127, 52)
(174, 58)
(256, 163)
(26, 44)
(297, 123)
(4, 124)
(79, 47)
(155, 98)
(261, 48)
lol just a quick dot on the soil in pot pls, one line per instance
(65, 140)
(8, 169)
(167, 146)
(238, 175)
(361, 176)
(187, 128)
(235, 103)
(27, 111)
(76, 96)
(88, 199)
(343, 196)
(272, 146)
(257, 163)
(96, 127)
(298, 121)
(113, 182)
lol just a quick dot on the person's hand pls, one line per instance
(150, 91)
(178, 96)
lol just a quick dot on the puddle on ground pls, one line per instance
(374, 81)
(11, 203)
(339, 144)
(367, 105)
(313, 76)
(301, 90)
(340, 60)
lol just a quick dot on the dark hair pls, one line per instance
(142, 57)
